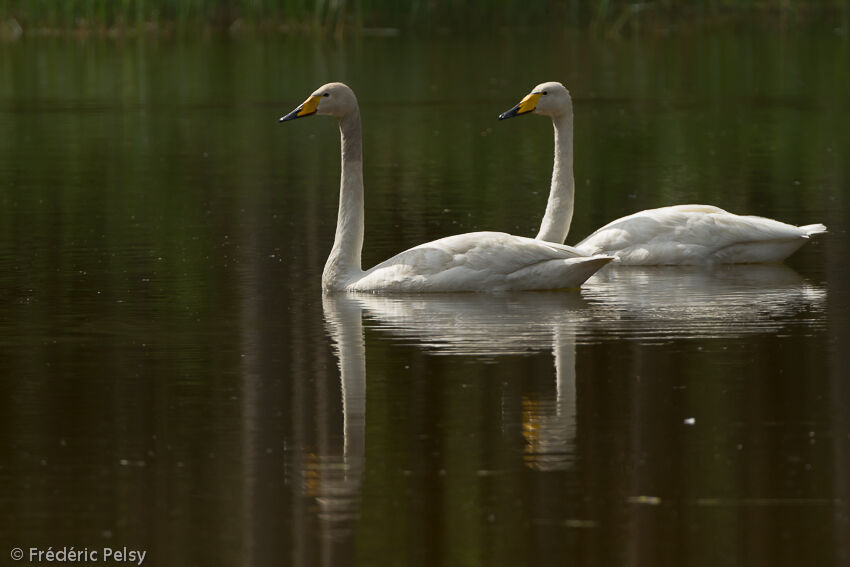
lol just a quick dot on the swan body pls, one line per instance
(694, 234)
(475, 261)
(479, 261)
(681, 234)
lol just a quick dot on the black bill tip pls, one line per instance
(510, 113)
(295, 114)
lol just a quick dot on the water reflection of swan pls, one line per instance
(681, 234)
(486, 326)
(477, 325)
(662, 303)
(335, 479)
(460, 324)
(476, 261)
(673, 302)
(619, 302)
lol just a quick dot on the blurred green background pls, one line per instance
(610, 17)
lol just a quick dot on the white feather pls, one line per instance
(694, 234)
(480, 261)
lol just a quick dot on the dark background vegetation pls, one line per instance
(390, 16)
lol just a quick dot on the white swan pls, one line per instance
(681, 234)
(476, 261)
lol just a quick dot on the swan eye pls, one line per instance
(327, 94)
(545, 92)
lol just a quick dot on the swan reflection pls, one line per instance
(675, 302)
(480, 325)
(618, 304)
(630, 302)
(485, 326)
(334, 480)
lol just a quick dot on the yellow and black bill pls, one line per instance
(526, 105)
(306, 108)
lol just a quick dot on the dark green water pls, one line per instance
(172, 380)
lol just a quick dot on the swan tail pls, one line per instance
(567, 273)
(582, 268)
(812, 229)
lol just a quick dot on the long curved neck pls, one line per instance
(343, 263)
(559, 207)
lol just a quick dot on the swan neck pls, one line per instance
(559, 207)
(343, 264)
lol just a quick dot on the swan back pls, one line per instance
(481, 261)
(696, 234)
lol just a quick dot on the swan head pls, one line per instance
(332, 99)
(549, 99)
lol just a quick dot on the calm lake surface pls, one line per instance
(173, 380)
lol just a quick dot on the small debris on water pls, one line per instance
(579, 523)
(646, 500)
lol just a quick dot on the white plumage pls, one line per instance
(693, 234)
(476, 261)
(681, 234)
(480, 261)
